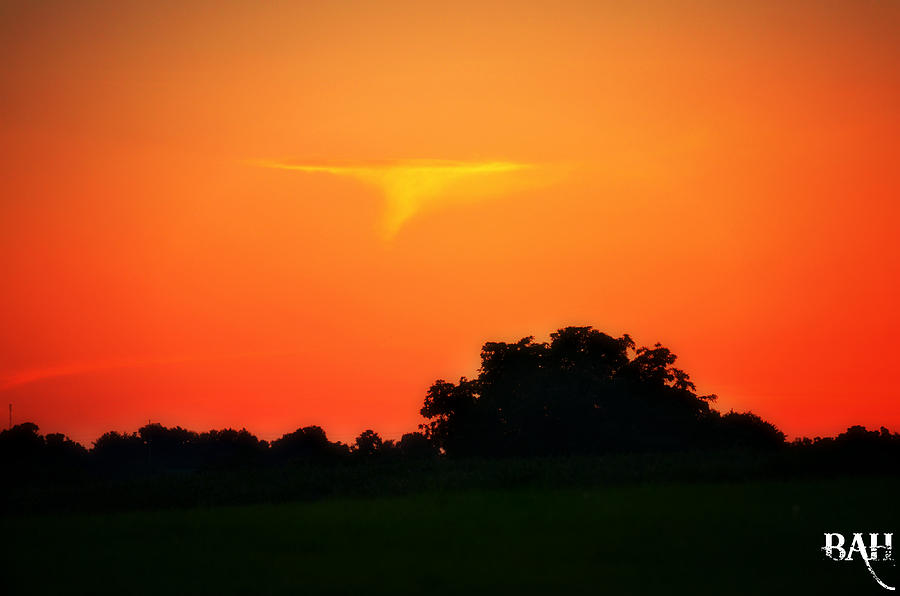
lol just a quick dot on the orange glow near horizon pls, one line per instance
(721, 177)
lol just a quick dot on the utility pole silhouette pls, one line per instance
(10, 416)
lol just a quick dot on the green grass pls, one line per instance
(746, 538)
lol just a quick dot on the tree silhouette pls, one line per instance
(367, 444)
(119, 450)
(307, 443)
(24, 450)
(416, 445)
(746, 429)
(582, 392)
(230, 447)
(170, 447)
(22, 441)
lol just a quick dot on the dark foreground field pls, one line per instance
(744, 538)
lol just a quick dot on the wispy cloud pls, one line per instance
(410, 185)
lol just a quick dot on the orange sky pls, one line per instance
(718, 176)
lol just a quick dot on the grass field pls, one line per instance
(745, 538)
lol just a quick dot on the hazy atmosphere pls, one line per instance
(232, 214)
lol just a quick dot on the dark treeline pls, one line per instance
(24, 452)
(583, 394)
(156, 447)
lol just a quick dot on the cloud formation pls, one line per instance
(411, 185)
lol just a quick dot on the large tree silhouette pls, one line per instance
(582, 392)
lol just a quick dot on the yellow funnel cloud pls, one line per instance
(408, 186)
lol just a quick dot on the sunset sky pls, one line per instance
(280, 214)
